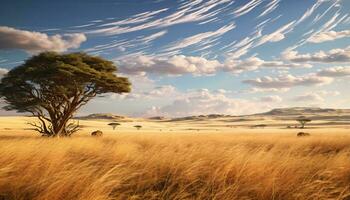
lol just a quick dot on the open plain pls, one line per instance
(203, 157)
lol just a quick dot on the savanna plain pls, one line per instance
(204, 157)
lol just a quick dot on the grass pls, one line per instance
(176, 166)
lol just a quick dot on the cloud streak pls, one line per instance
(288, 81)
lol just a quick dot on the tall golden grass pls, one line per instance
(176, 166)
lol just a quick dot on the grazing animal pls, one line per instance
(97, 133)
(301, 134)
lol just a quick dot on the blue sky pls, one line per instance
(195, 57)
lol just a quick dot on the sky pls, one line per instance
(192, 57)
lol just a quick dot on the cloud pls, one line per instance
(328, 36)
(175, 65)
(325, 28)
(203, 102)
(242, 47)
(254, 63)
(335, 71)
(34, 42)
(266, 90)
(310, 11)
(271, 6)
(332, 56)
(189, 11)
(310, 97)
(195, 39)
(288, 81)
(247, 8)
(156, 92)
(271, 99)
(181, 65)
(329, 93)
(278, 35)
(153, 37)
(315, 96)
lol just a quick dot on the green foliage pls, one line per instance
(54, 86)
(114, 124)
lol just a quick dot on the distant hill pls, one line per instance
(105, 116)
(314, 113)
(305, 111)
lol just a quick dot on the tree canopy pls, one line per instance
(114, 124)
(54, 86)
(303, 120)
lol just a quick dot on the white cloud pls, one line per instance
(247, 8)
(332, 56)
(266, 90)
(190, 11)
(206, 102)
(160, 91)
(152, 37)
(328, 36)
(335, 71)
(34, 42)
(254, 63)
(288, 81)
(195, 39)
(310, 11)
(243, 46)
(310, 97)
(326, 27)
(328, 93)
(175, 65)
(271, 99)
(154, 93)
(271, 6)
(180, 65)
(278, 35)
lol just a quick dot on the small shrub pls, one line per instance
(302, 134)
(97, 133)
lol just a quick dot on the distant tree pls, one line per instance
(52, 87)
(138, 127)
(114, 125)
(302, 121)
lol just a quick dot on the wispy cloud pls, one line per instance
(201, 37)
(193, 11)
(246, 8)
(255, 63)
(277, 35)
(270, 7)
(288, 81)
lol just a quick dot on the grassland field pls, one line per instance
(191, 159)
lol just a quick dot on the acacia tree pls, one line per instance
(303, 120)
(114, 125)
(52, 87)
